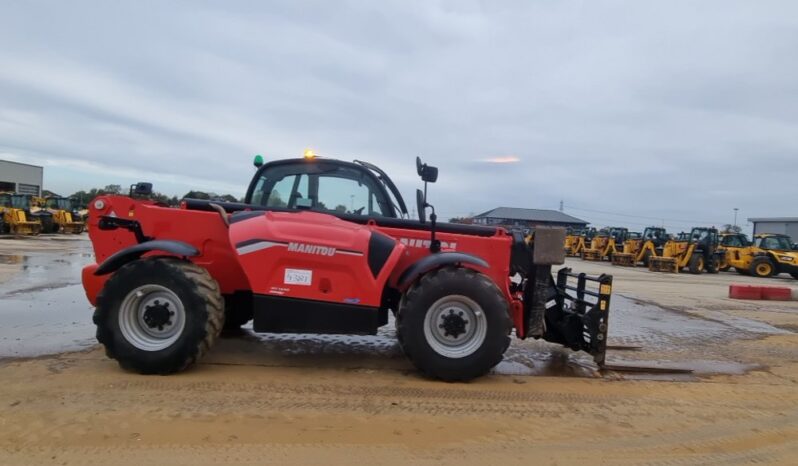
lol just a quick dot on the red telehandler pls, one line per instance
(326, 246)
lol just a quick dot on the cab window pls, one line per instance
(347, 195)
(732, 241)
(321, 186)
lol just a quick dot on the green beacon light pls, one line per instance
(258, 161)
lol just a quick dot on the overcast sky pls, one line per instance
(675, 110)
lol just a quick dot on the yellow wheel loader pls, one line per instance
(641, 249)
(607, 242)
(62, 210)
(770, 254)
(698, 253)
(14, 208)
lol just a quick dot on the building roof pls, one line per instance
(536, 215)
(773, 219)
(21, 163)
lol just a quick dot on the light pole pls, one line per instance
(735, 216)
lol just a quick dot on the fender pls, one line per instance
(434, 261)
(132, 253)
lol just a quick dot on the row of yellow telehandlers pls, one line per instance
(701, 250)
(24, 214)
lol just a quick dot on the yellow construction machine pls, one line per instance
(62, 210)
(575, 241)
(638, 249)
(698, 253)
(770, 254)
(14, 209)
(605, 244)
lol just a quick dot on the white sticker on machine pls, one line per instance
(298, 277)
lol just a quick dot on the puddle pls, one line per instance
(42, 306)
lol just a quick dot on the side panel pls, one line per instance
(495, 250)
(313, 256)
(203, 230)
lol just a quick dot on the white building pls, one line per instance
(21, 178)
(781, 225)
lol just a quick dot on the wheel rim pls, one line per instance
(455, 326)
(763, 269)
(152, 317)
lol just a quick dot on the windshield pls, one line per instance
(778, 243)
(19, 201)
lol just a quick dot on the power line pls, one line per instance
(659, 219)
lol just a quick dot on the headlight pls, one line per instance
(787, 258)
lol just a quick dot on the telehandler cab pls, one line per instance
(326, 246)
(699, 252)
(636, 250)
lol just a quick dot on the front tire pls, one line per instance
(696, 264)
(454, 324)
(762, 267)
(159, 315)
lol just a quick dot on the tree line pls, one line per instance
(82, 198)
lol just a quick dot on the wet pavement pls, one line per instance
(44, 311)
(42, 306)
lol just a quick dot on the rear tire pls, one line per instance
(714, 265)
(159, 315)
(696, 264)
(461, 301)
(762, 267)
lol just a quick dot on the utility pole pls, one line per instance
(735, 216)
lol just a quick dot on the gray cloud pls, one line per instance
(675, 110)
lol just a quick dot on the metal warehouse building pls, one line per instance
(782, 225)
(21, 178)
(527, 218)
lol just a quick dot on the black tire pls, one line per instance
(197, 292)
(453, 282)
(762, 267)
(713, 266)
(794, 275)
(696, 264)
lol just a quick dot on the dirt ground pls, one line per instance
(329, 400)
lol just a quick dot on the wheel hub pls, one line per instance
(152, 317)
(158, 315)
(453, 324)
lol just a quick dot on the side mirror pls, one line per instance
(428, 173)
(421, 205)
(141, 189)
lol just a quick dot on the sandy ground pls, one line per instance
(303, 399)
